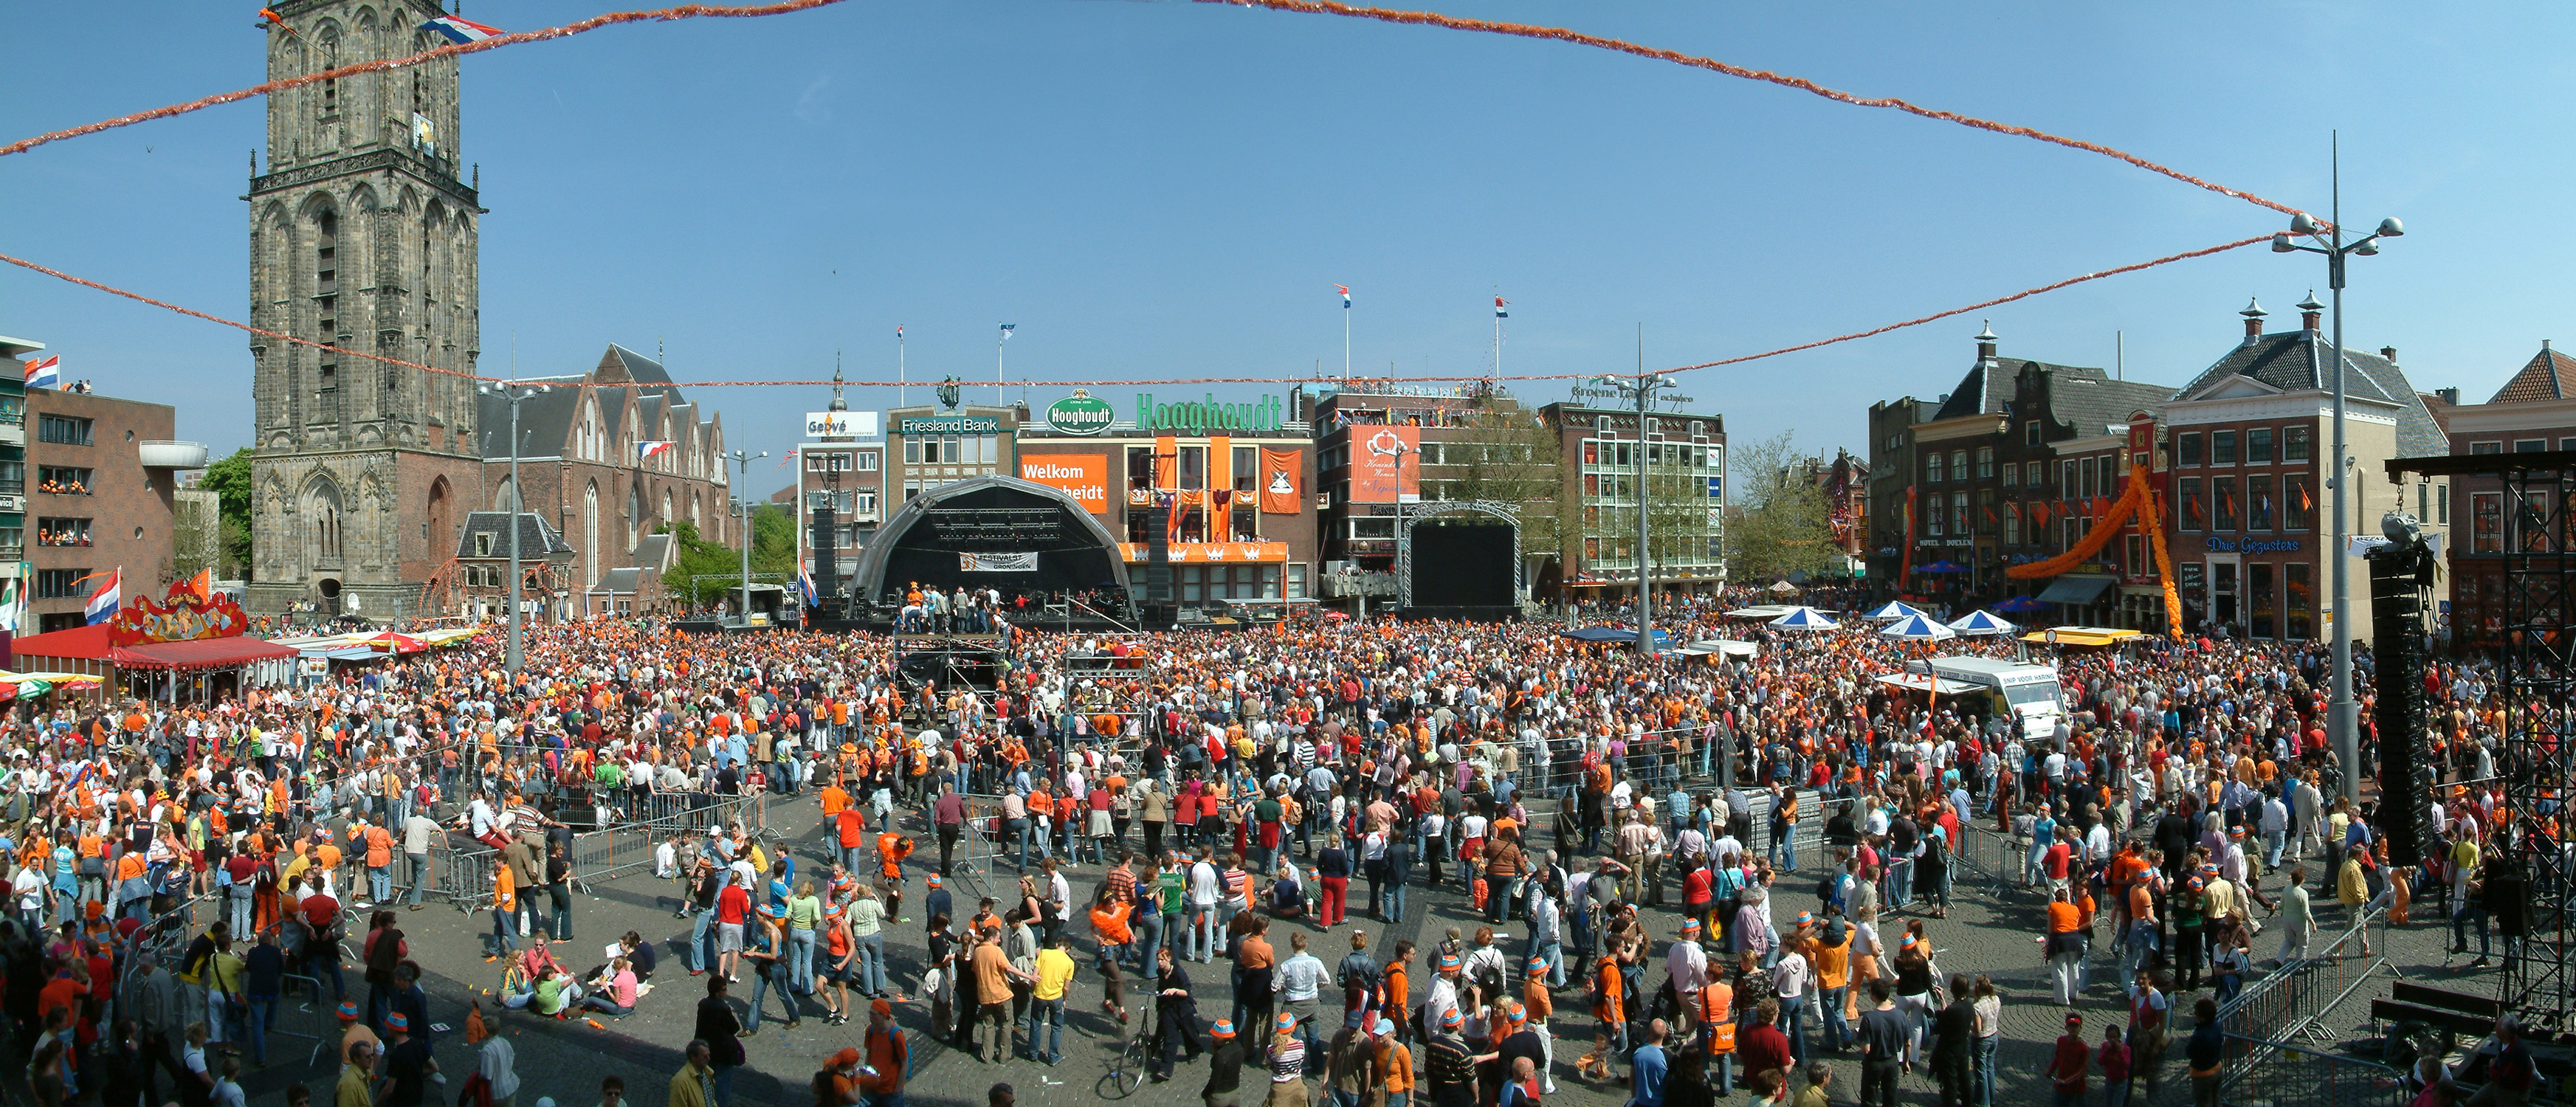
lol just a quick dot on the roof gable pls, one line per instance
(2549, 375)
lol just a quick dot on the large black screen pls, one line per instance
(1466, 565)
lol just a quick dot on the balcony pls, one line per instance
(169, 455)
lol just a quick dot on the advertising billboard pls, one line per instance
(1083, 476)
(1386, 466)
(840, 424)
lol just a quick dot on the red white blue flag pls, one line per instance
(45, 372)
(644, 451)
(459, 30)
(104, 602)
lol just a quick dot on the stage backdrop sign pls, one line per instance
(992, 561)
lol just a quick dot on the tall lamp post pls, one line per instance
(1643, 388)
(516, 394)
(2342, 716)
(742, 488)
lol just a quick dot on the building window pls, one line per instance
(2474, 447)
(1959, 465)
(62, 532)
(2030, 433)
(2224, 488)
(2442, 504)
(2258, 503)
(2136, 564)
(2258, 446)
(2085, 469)
(1960, 524)
(2530, 445)
(2222, 447)
(2189, 447)
(2012, 526)
(1934, 513)
(2066, 485)
(60, 584)
(2298, 505)
(63, 480)
(2531, 524)
(63, 430)
(1247, 472)
(2300, 591)
(1932, 467)
(2012, 475)
(482, 543)
(2033, 472)
(1985, 462)
(1985, 511)
(2187, 501)
(2263, 600)
(911, 450)
(2294, 449)
(2486, 522)
(1194, 468)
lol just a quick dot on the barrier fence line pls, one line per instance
(2271, 1013)
(462, 874)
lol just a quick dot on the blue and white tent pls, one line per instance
(1895, 609)
(1977, 623)
(1917, 627)
(1806, 618)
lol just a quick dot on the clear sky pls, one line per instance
(1170, 190)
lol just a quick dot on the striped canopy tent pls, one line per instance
(1917, 627)
(1977, 623)
(1895, 609)
(1806, 618)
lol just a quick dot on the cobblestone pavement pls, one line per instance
(1988, 931)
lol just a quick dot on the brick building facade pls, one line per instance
(101, 474)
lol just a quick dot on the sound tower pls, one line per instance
(1158, 563)
(827, 559)
(2399, 574)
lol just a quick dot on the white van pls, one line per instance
(2030, 694)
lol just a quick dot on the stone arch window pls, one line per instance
(634, 515)
(666, 506)
(322, 513)
(501, 495)
(590, 533)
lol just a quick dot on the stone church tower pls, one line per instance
(362, 236)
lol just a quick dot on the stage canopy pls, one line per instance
(991, 531)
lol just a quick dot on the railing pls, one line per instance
(461, 868)
(2297, 1076)
(2272, 1013)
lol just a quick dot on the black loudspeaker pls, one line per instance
(827, 558)
(2406, 785)
(1158, 555)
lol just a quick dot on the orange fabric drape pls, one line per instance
(2154, 525)
(2132, 499)
(1905, 568)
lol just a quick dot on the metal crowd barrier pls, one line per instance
(461, 869)
(2271, 1013)
(2297, 1076)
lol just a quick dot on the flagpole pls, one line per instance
(902, 383)
(1346, 336)
(999, 338)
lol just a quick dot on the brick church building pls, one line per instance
(363, 237)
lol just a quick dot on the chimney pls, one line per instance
(1986, 344)
(2450, 396)
(2388, 354)
(2310, 311)
(2253, 314)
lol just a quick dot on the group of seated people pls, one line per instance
(67, 536)
(537, 982)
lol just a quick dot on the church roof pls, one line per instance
(546, 420)
(537, 539)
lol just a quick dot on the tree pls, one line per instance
(229, 480)
(704, 570)
(1510, 455)
(1783, 523)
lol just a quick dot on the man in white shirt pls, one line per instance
(1203, 924)
(1687, 966)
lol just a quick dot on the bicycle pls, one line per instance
(1129, 1066)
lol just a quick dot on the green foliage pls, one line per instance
(1785, 524)
(703, 570)
(229, 480)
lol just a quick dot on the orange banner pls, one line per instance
(1283, 483)
(1220, 463)
(1083, 476)
(1167, 463)
(1385, 464)
(1213, 553)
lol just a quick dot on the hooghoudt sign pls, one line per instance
(1083, 476)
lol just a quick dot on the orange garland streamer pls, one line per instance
(1560, 34)
(684, 11)
(2131, 501)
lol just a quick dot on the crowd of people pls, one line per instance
(1796, 824)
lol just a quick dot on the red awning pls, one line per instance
(87, 643)
(201, 653)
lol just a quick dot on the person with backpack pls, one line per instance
(886, 1057)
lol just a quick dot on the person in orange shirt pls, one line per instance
(380, 861)
(1610, 1005)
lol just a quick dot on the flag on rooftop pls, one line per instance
(458, 29)
(45, 372)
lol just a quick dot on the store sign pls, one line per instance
(949, 424)
(2219, 543)
(1085, 477)
(1206, 414)
(840, 424)
(1080, 413)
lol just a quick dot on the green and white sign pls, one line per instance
(1080, 413)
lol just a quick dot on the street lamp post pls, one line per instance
(2342, 716)
(1643, 389)
(516, 394)
(742, 462)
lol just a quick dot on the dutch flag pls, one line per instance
(1499, 313)
(459, 30)
(644, 451)
(1345, 290)
(104, 602)
(45, 372)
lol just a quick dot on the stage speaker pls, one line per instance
(2406, 785)
(1158, 555)
(827, 557)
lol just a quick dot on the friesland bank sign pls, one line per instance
(948, 424)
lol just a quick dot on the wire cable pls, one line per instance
(684, 11)
(1561, 34)
(2024, 294)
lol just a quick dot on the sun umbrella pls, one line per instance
(1806, 618)
(1917, 627)
(1895, 609)
(1783, 587)
(1978, 622)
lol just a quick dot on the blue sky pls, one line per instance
(1170, 190)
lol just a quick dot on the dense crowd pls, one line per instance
(178, 868)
